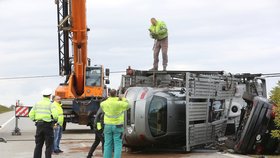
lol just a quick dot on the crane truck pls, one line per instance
(85, 85)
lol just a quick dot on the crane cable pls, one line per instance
(42, 76)
(27, 77)
(268, 75)
(271, 75)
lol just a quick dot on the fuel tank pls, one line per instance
(156, 117)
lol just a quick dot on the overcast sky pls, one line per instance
(236, 36)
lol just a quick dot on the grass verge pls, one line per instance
(4, 109)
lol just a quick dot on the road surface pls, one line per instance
(76, 142)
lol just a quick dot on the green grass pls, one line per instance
(4, 109)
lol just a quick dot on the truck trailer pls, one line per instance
(187, 109)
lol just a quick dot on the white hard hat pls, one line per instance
(46, 91)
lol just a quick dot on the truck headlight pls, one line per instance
(258, 137)
(129, 130)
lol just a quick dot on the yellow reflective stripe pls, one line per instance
(43, 108)
(114, 116)
(43, 112)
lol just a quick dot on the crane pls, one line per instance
(84, 87)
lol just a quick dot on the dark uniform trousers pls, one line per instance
(44, 133)
(98, 138)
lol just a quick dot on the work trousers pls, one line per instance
(113, 138)
(98, 138)
(163, 45)
(44, 133)
(57, 137)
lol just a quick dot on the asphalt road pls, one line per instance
(76, 141)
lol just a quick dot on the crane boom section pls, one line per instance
(84, 88)
(79, 30)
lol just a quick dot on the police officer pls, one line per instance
(114, 108)
(98, 129)
(43, 113)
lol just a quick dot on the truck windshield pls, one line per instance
(93, 77)
(157, 116)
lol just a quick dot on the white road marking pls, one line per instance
(2, 126)
(235, 156)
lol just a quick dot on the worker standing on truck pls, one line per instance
(159, 32)
(57, 129)
(44, 114)
(98, 129)
(114, 108)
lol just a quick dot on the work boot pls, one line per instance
(164, 68)
(153, 69)
(55, 153)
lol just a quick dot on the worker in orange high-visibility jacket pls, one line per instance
(44, 114)
(113, 108)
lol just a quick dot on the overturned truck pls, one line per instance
(191, 109)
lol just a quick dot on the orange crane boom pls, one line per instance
(79, 29)
(84, 87)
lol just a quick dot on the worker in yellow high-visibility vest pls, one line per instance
(158, 31)
(113, 108)
(44, 114)
(58, 125)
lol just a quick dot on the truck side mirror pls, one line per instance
(107, 81)
(107, 72)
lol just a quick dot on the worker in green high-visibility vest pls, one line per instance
(114, 108)
(158, 31)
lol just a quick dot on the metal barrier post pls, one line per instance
(16, 130)
(2, 139)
